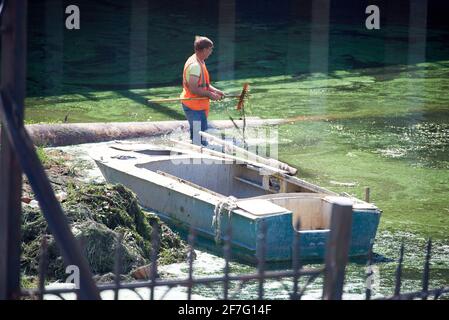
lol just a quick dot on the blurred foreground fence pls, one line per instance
(229, 286)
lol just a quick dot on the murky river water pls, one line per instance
(371, 108)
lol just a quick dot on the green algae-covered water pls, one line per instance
(368, 107)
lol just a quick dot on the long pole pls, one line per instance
(187, 99)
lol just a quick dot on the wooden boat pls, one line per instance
(210, 191)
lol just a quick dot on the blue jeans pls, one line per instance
(197, 122)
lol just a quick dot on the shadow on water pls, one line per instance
(89, 96)
(173, 114)
(139, 99)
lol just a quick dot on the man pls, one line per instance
(196, 84)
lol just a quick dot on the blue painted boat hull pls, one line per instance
(278, 246)
(190, 207)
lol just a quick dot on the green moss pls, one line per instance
(43, 157)
(99, 215)
(29, 282)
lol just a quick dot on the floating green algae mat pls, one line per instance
(340, 95)
(408, 181)
(386, 132)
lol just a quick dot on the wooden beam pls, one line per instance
(251, 156)
(367, 194)
(337, 248)
(229, 158)
(283, 186)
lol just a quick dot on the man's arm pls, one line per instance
(217, 91)
(193, 87)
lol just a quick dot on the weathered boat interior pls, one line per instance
(243, 181)
(227, 179)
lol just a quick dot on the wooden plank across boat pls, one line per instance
(207, 191)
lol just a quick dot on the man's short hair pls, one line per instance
(202, 43)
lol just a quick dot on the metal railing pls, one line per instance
(423, 294)
(224, 281)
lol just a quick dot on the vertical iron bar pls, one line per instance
(117, 265)
(191, 256)
(369, 273)
(155, 244)
(43, 266)
(16, 139)
(397, 288)
(425, 281)
(51, 208)
(261, 256)
(227, 256)
(437, 295)
(82, 244)
(295, 260)
(223, 137)
(13, 78)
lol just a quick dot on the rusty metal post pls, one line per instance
(12, 80)
(337, 249)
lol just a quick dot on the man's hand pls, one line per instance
(216, 91)
(220, 93)
(215, 96)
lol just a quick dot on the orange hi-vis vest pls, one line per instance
(203, 82)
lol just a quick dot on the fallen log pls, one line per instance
(53, 135)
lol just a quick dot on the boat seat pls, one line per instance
(254, 184)
(260, 207)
